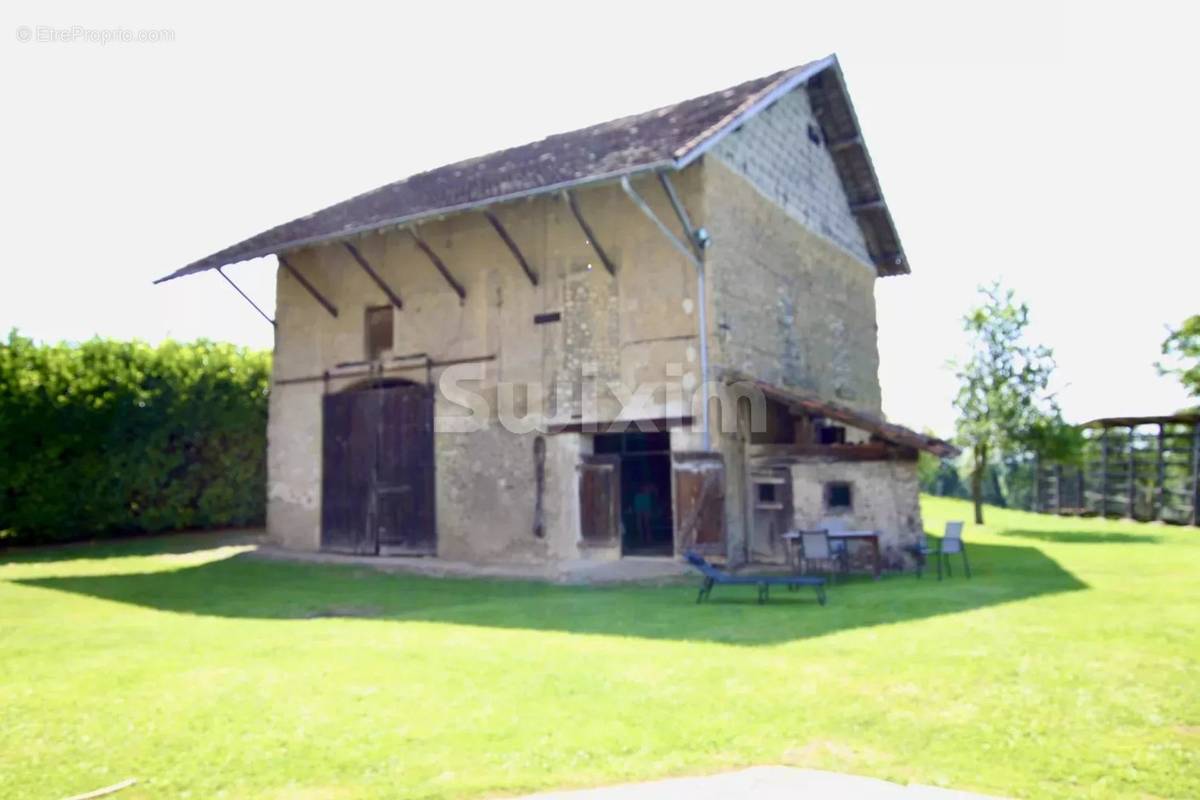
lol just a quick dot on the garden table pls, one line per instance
(865, 536)
(793, 540)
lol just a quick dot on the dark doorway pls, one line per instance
(377, 491)
(645, 491)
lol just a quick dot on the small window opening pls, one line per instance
(379, 331)
(839, 496)
(831, 434)
(766, 493)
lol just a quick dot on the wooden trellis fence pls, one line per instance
(1144, 468)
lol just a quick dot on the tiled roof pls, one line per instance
(815, 405)
(670, 137)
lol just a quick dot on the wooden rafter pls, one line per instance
(303, 281)
(439, 264)
(375, 276)
(681, 213)
(868, 205)
(842, 144)
(587, 231)
(691, 253)
(512, 247)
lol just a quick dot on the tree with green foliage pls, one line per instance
(108, 437)
(1182, 347)
(1004, 404)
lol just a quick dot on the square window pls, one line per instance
(839, 495)
(378, 331)
(766, 493)
(831, 434)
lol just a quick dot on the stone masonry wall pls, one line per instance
(789, 306)
(775, 153)
(885, 498)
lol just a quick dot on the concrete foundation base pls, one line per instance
(764, 783)
(575, 572)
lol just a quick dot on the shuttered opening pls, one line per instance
(700, 502)
(379, 331)
(599, 500)
(644, 483)
(619, 508)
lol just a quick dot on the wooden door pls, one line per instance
(600, 500)
(377, 490)
(404, 488)
(349, 444)
(699, 502)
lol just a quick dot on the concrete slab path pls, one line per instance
(765, 783)
(624, 570)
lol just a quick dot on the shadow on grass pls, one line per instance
(244, 586)
(1080, 537)
(133, 545)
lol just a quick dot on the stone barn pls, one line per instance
(646, 335)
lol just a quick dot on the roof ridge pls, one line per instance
(780, 78)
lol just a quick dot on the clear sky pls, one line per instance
(1050, 146)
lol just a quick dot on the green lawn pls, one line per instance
(1068, 667)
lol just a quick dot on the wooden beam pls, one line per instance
(441, 267)
(867, 205)
(1160, 478)
(1058, 503)
(1196, 474)
(842, 144)
(690, 252)
(1037, 483)
(1080, 488)
(587, 231)
(245, 296)
(512, 247)
(1131, 478)
(680, 209)
(871, 451)
(303, 281)
(367, 268)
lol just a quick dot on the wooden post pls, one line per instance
(1160, 478)
(1104, 472)
(1037, 483)
(1196, 474)
(1131, 478)
(1080, 491)
(1058, 505)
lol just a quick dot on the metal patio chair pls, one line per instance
(839, 547)
(816, 547)
(951, 543)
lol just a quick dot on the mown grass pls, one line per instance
(1069, 666)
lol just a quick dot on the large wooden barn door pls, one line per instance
(404, 489)
(377, 490)
(699, 502)
(350, 441)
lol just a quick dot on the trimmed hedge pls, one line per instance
(110, 437)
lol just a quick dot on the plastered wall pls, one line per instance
(635, 327)
(885, 499)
